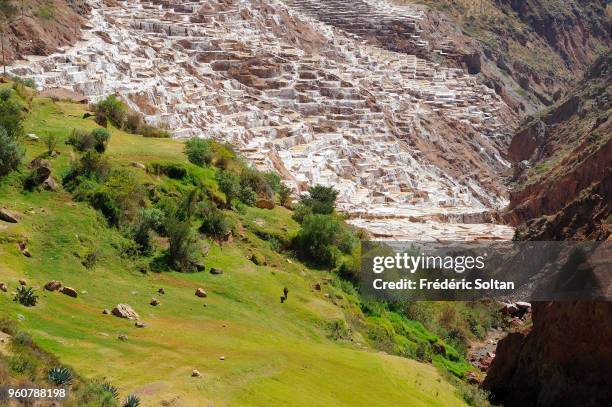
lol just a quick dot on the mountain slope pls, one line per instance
(563, 192)
(528, 51)
(250, 348)
(562, 160)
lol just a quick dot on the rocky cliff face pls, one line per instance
(528, 51)
(40, 27)
(562, 164)
(563, 170)
(565, 360)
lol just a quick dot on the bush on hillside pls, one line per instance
(215, 224)
(111, 109)
(119, 114)
(84, 141)
(101, 137)
(11, 153)
(200, 151)
(169, 169)
(119, 198)
(26, 296)
(11, 115)
(141, 232)
(91, 166)
(284, 195)
(322, 239)
(258, 182)
(319, 200)
(229, 184)
(183, 244)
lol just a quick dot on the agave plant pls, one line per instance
(60, 376)
(26, 296)
(109, 388)
(131, 401)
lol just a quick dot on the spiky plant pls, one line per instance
(109, 388)
(26, 296)
(131, 401)
(60, 376)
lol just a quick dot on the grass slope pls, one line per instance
(275, 354)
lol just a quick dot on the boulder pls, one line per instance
(523, 305)
(161, 291)
(139, 324)
(199, 266)
(106, 311)
(258, 259)
(50, 184)
(3, 287)
(32, 137)
(138, 165)
(472, 378)
(216, 271)
(23, 249)
(195, 373)
(317, 286)
(154, 302)
(22, 282)
(69, 291)
(122, 337)
(438, 348)
(201, 293)
(9, 216)
(53, 285)
(265, 203)
(125, 311)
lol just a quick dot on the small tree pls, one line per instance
(101, 137)
(284, 195)
(50, 142)
(182, 248)
(199, 151)
(229, 184)
(11, 153)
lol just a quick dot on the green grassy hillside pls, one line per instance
(249, 348)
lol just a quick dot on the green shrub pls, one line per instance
(131, 401)
(141, 232)
(320, 200)
(97, 394)
(247, 196)
(28, 82)
(11, 153)
(147, 130)
(229, 184)
(199, 151)
(26, 296)
(119, 198)
(60, 376)
(50, 143)
(111, 109)
(101, 137)
(284, 195)
(46, 11)
(257, 181)
(322, 239)
(171, 170)
(23, 364)
(215, 224)
(81, 140)
(339, 330)
(183, 244)
(274, 180)
(11, 116)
